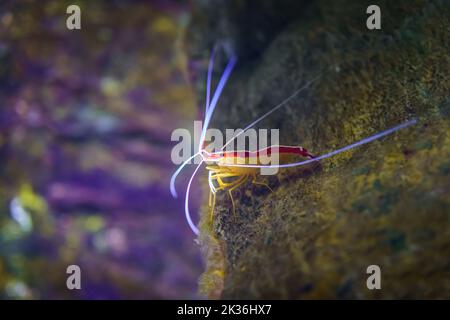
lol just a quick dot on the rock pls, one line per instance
(386, 203)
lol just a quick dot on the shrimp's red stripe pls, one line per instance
(265, 152)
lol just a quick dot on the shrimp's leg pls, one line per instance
(261, 183)
(217, 176)
(211, 213)
(238, 183)
(212, 194)
(225, 175)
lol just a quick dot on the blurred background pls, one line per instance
(85, 124)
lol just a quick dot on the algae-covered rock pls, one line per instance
(386, 203)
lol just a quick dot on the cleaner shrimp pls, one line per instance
(243, 165)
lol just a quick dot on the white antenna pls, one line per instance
(278, 106)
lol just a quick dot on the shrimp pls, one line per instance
(221, 168)
(228, 170)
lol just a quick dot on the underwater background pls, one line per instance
(86, 118)
(85, 124)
